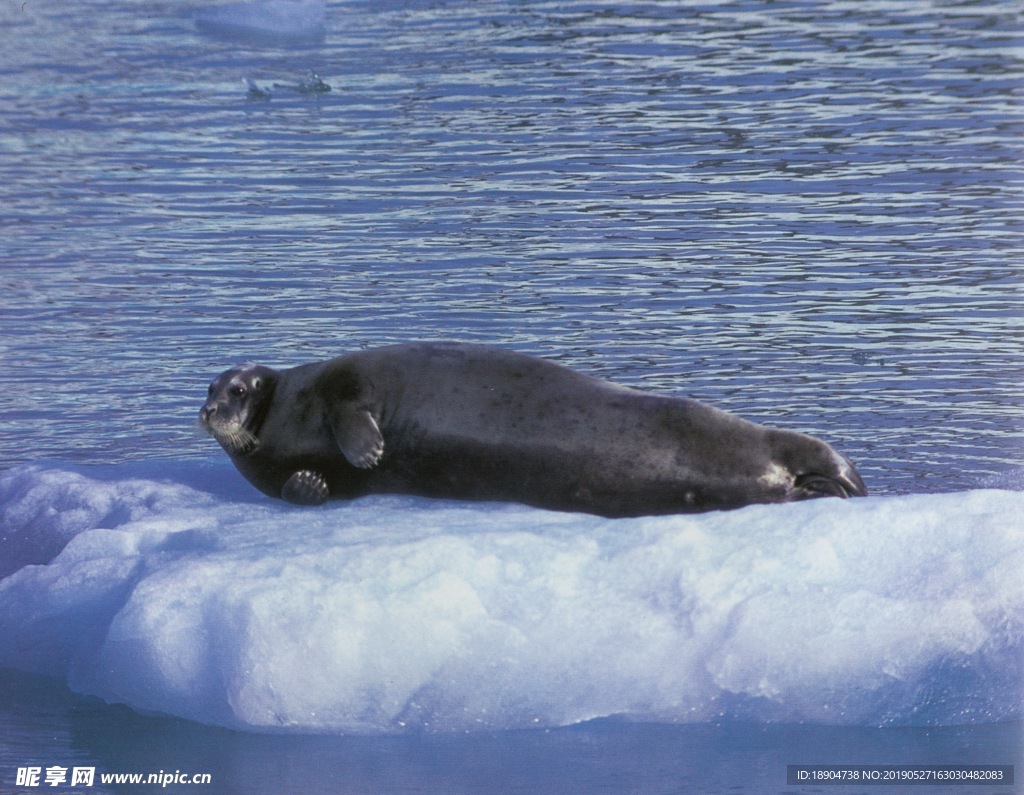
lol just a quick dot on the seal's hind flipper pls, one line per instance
(358, 437)
(305, 488)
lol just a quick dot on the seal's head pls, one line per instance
(807, 468)
(236, 405)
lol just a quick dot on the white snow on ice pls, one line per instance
(181, 591)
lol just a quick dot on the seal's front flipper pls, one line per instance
(358, 437)
(305, 488)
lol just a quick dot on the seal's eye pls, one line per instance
(238, 390)
(209, 392)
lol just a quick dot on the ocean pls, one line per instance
(804, 213)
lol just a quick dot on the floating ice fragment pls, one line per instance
(255, 92)
(313, 85)
(187, 595)
(266, 22)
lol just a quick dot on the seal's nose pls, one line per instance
(206, 412)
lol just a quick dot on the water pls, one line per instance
(806, 213)
(596, 757)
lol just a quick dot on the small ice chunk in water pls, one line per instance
(269, 21)
(255, 92)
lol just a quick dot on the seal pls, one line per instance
(476, 422)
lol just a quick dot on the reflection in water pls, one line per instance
(586, 758)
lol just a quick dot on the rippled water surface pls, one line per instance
(807, 213)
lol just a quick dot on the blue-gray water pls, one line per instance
(806, 213)
(603, 756)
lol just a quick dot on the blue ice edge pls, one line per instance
(174, 588)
